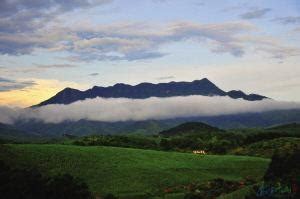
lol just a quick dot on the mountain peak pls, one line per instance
(204, 80)
(68, 89)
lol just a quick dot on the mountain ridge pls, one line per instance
(145, 90)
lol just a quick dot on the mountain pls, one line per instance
(145, 90)
(190, 128)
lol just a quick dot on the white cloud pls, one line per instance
(135, 41)
(9, 84)
(123, 109)
(255, 13)
(288, 20)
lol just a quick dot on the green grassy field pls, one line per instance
(124, 171)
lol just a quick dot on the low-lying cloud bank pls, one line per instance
(123, 109)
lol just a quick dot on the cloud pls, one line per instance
(93, 74)
(124, 41)
(165, 77)
(8, 115)
(36, 68)
(9, 84)
(86, 42)
(21, 22)
(55, 66)
(122, 109)
(18, 44)
(288, 20)
(20, 16)
(256, 13)
(270, 46)
(135, 41)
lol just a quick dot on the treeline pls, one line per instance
(212, 142)
(142, 142)
(268, 135)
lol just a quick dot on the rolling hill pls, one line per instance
(124, 171)
(191, 128)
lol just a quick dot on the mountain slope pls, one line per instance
(145, 90)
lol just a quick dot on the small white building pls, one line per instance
(202, 152)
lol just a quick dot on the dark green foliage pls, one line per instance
(165, 144)
(267, 148)
(269, 135)
(192, 136)
(30, 184)
(196, 136)
(292, 127)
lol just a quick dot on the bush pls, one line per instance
(30, 184)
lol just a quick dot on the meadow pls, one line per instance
(125, 171)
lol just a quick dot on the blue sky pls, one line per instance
(48, 45)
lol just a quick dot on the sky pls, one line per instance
(48, 45)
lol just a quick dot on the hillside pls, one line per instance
(145, 90)
(126, 171)
(191, 128)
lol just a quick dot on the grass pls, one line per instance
(126, 171)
